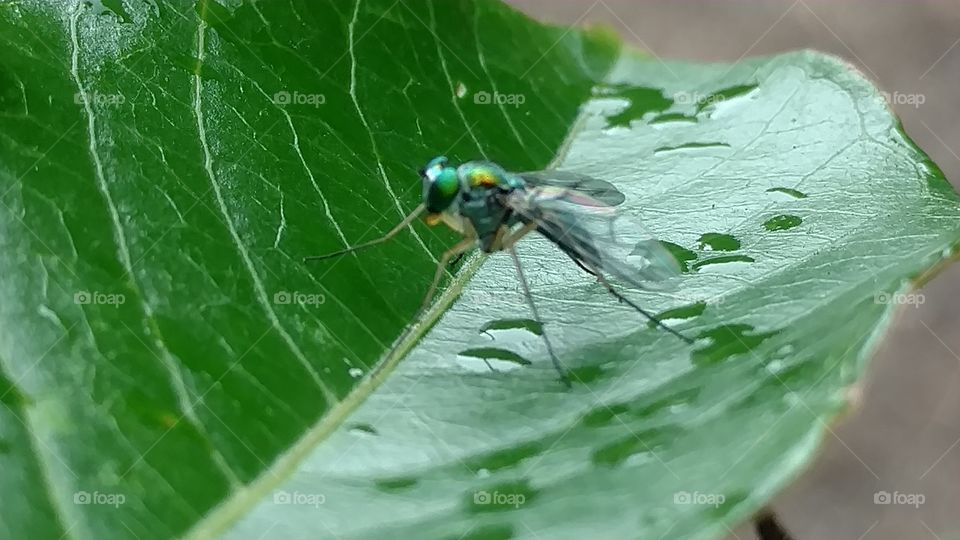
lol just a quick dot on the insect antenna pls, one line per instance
(393, 232)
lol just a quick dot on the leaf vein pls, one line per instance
(261, 294)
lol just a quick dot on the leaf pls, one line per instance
(168, 366)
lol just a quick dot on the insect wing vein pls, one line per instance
(600, 190)
(596, 234)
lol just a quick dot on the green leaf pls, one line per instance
(169, 367)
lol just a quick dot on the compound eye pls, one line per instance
(433, 167)
(440, 189)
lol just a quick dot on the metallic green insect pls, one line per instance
(493, 209)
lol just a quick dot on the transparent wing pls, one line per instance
(596, 234)
(600, 190)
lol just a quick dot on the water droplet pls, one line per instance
(644, 442)
(395, 484)
(690, 145)
(585, 374)
(680, 313)
(355, 372)
(719, 242)
(727, 96)
(789, 191)
(362, 429)
(529, 325)
(728, 340)
(496, 353)
(640, 100)
(721, 260)
(461, 90)
(782, 223)
(672, 117)
(680, 253)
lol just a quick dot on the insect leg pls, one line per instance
(531, 226)
(603, 281)
(458, 248)
(456, 260)
(536, 315)
(583, 266)
(509, 240)
(393, 232)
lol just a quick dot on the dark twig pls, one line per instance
(768, 527)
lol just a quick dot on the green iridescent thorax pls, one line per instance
(485, 174)
(482, 185)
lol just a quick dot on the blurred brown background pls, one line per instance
(906, 435)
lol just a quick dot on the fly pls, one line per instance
(493, 209)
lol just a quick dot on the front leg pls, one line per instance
(507, 240)
(456, 260)
(458, 249)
